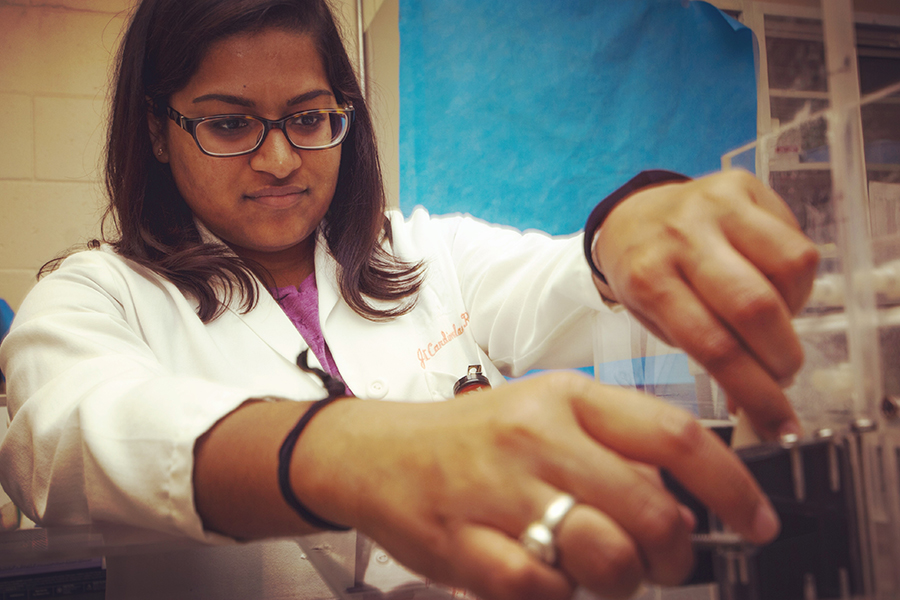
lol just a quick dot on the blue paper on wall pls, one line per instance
(6, 319)
(528, 112)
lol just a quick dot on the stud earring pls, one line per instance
(159, 152)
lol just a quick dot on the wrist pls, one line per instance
(285, 461)
(324, 464)
(599, 279)
(642, 180)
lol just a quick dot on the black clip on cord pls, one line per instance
(336, 389)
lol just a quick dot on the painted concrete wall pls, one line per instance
(54, 69)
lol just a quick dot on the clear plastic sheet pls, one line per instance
(835, 159)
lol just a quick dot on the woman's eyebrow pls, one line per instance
(239, 101)
(227, 98)
(308, 96)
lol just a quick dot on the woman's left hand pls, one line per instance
(717, 266)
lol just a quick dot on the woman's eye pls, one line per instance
(308, 121)
(228, 126)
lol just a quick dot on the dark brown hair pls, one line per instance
(162, 49)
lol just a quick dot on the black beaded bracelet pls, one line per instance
(602, 210)
(336, 390)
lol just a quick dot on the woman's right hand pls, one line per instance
(717, 266)
(448, 488)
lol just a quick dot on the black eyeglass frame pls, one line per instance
(190, 125)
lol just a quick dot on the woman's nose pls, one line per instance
(276, 155)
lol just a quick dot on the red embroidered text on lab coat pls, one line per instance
(427, 353)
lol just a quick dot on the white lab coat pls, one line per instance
(112, 377)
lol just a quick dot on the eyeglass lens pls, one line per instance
(235, 134)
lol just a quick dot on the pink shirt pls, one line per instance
(301, 305)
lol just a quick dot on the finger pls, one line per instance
(707, 289)
(653, 432)
(762, 195)
(779, 251)
(599, 554)
(496, 566)
(731, 404)
(629, 493)
(648, 472)
(698, 332)
(644, 510)
(653, 475)
(764, 229)
(745, 301)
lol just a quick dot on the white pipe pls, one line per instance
(850, 199)
(361, 47)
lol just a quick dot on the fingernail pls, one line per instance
(790, 428)
(688, 517)
(765, 524)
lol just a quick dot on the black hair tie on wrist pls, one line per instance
(336, 390)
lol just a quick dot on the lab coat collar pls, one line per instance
(326, 278)
(267, 319)
(327, 271)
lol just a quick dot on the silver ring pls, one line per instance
(540, 536)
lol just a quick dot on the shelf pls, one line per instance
(785, 167)
(819, 95)
(818, 166)
(837, 322)
(803, 95)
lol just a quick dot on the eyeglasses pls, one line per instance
(234, 135)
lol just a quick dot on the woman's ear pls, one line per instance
(157, 127)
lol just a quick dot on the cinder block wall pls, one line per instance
(55, 66)
(54, 71)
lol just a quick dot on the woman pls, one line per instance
(154, 380)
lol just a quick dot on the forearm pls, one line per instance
(446, 488)
(236, 472)
(340, 467)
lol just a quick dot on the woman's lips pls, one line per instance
(278, 197)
